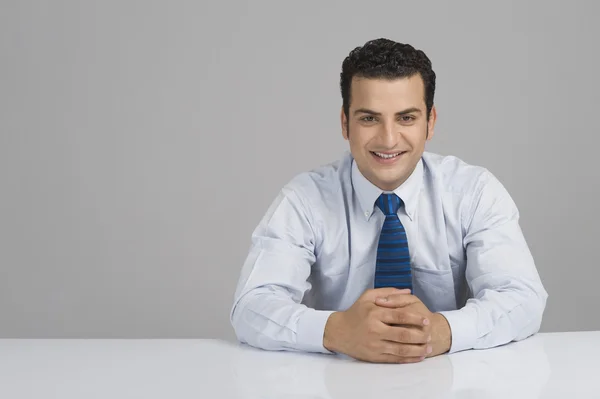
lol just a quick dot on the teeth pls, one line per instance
(386, 156)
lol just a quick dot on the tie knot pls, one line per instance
(389, 203)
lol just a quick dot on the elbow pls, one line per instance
(534, 306)
(235, 318)
(247, 324)
(251, 333)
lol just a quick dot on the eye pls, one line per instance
(407, 118)
(368, 118)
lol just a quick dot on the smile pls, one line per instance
(387, 158)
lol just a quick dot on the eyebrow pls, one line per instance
(399, 113)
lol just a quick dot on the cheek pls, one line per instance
(357, 138)
(417, 137)
(357, 148)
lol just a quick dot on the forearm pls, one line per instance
(508, 295)
(268, 319)
(496, 317)
(267, 311)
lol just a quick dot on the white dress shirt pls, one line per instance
(314, 253)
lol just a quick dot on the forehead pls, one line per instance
(387, 93)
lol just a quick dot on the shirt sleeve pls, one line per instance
(508, 298)
(267, 312)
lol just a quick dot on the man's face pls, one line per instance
(387, 128)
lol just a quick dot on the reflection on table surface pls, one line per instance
(543, 366)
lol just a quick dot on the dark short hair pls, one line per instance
(386, 59)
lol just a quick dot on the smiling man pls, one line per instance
(389, 254)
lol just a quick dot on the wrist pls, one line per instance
(441, 335)
(331, 328)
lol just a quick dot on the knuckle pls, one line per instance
(374, 334)
(374, 311)
(371, 329)
(375, 345)
(409, 351)
(368, 308)
(401, 350)
(369, 347)
(417, 337)
(404, 336)
(386, 315)
(372, 325)
(399, 316)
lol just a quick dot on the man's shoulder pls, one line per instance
(322, 180)
(454, 174)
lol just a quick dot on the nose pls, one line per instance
(388, 135)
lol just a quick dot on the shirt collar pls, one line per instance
(368, 193)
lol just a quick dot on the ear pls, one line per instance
(431, 123)
(344, 122)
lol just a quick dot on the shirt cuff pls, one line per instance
(311, 327)
(463, 329)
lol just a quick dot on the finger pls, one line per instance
(386, 292)
(396, 301)
(402, 317)
(405, 350)
(406, 335)
(386, 358)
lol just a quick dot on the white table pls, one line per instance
(557, 365)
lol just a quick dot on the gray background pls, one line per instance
(141, 142)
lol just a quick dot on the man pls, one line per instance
(390, 254)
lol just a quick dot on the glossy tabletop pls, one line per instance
(555, 365)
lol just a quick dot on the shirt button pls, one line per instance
(367, 213)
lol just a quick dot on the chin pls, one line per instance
(391, 182)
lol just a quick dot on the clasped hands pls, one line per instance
(387, 325)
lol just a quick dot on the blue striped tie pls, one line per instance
(392, 268)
